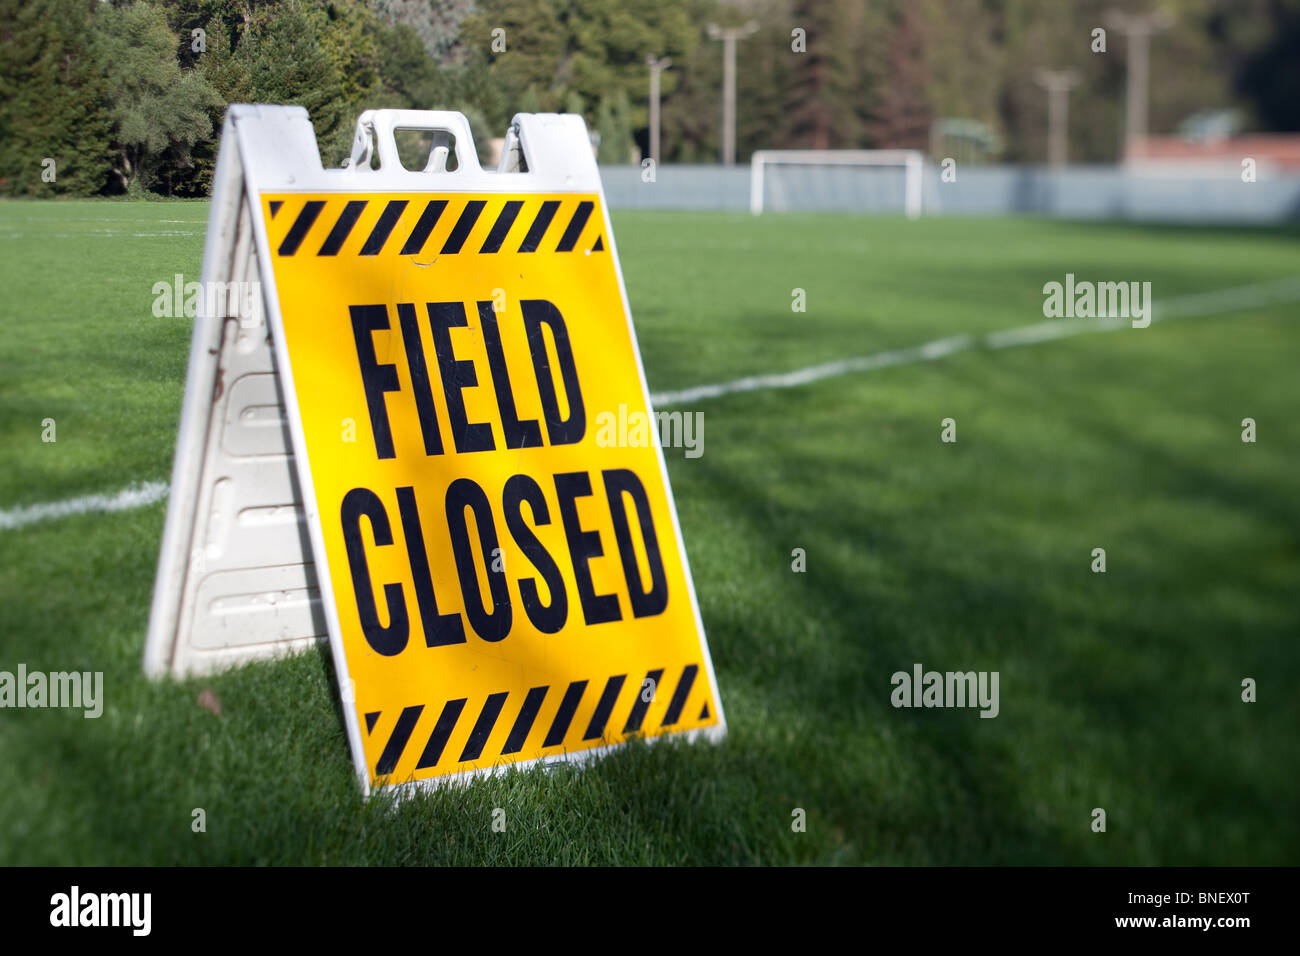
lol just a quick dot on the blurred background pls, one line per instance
(1117, 98)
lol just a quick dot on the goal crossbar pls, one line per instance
(910, 160)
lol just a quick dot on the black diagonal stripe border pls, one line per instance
(487, 719)
(384, 227)
(298, 231)
(641, 704)
(604, 707)
(397, 740)
(524, 722)
(501, 227)
(423, 226)
(541, 223)
(683, 691)
(342, 228)
(564, 716)
(460, 232)
(441, 731)
(467, 218)
(493, 712)
(576, 225)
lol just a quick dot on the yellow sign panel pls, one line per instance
(507, 588)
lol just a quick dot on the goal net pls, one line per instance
(844, 180)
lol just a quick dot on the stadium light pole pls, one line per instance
(729, 36)
(1137, 30)
(1058, 84)
(657, 66)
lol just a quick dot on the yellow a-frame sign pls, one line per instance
(498, 587)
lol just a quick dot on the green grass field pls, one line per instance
(1119, 690)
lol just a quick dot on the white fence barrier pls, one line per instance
(1075, 192)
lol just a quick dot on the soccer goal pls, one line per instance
(783, 180)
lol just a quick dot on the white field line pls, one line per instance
(1203, 303)
(814, 373)
(137, 496)
(105, 234)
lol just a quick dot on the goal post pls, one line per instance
(910, 161)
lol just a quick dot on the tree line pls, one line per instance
(128, 97)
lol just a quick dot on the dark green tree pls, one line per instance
(52, 100)
(593, 47)
(156, 109)
(903, 111)
(435, 22)
(288, 64)
(616, 145)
